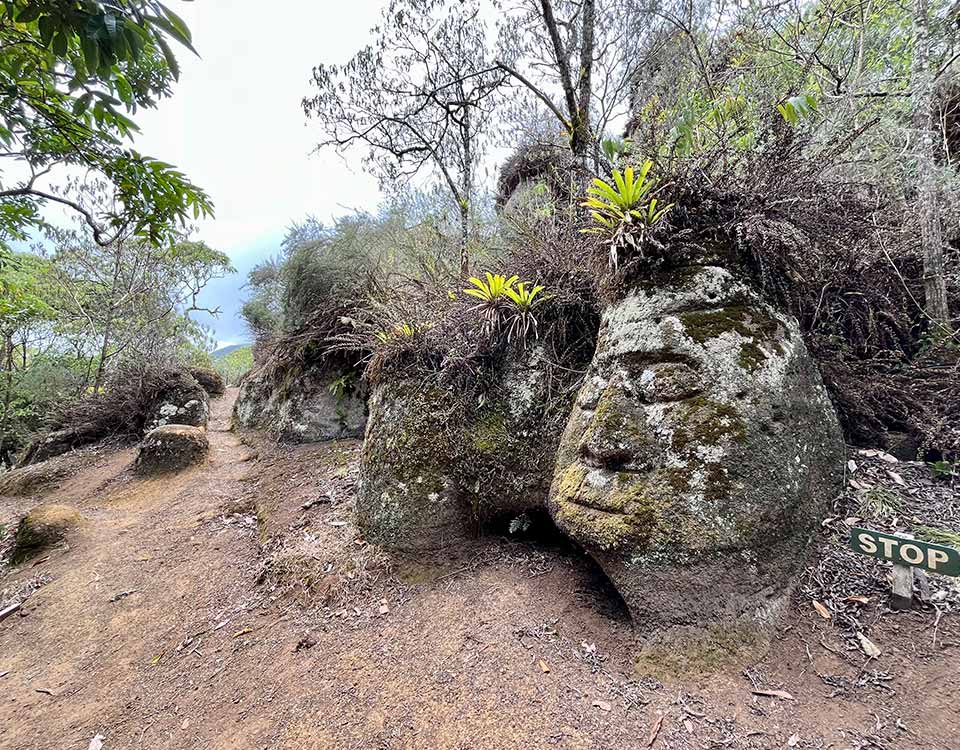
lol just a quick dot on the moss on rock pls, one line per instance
(42, 528)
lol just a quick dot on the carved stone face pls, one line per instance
(701, 435)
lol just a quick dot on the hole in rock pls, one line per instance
(581, 577)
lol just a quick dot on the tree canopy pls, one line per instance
(73, 73)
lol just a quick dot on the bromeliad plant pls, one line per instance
(522, 321)
(492, 294)
(504, 301)
(624, 211)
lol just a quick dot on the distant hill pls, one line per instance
(225, 350)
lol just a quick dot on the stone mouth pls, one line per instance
(601, 479)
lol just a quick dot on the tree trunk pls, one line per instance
(582, 135)
(931, 234)
(467, 195)
(7, 400)
(104, 348)
(108, 325)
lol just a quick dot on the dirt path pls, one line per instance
(234, 606)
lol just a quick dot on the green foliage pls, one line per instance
(491, 291)
(401, 332)
(522, 322)
(343, 386)
(506, 303)
(234, 365)
(943, 469)
(71, 75)
(798, 108)
(624, 211)
(525, 299)
(615, 148)
(938, 535)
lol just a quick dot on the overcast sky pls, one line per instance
(235, 126)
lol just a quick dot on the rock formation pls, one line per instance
(41, 528)
(305, 407)
(172, 448)
(439, 461)
(700, 451)
(184, 401)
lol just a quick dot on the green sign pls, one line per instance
(901, 550)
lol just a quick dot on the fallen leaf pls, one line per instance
(655, 731)
(384, 609)
(896, 478)
(156, 659)
(337, 523)
(852, 520)
(688, 725)
(96, 743)
(602, 705)
(870, 648)
(859, 599)
(781, 694)
(794, 740)
(544, 667)
(822, 610)
(887, 457)
(45, 691)
(186, 724)
(851, 466)
(242, 632)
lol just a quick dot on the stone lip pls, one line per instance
(171, 448)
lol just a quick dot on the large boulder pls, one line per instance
(303, 407)
(439, 462)
(58, 442)
(701, 450)
(42, 528)
(182, 401)
(172, 448)
(210, 380)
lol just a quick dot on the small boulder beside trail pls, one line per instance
(171, 448)
(41, 528)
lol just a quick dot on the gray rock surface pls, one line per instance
(184, 401)
(307, 407)
(172, 447)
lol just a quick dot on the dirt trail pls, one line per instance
(175, 619)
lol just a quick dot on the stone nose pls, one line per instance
(609, 441)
